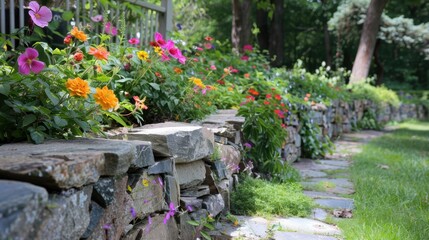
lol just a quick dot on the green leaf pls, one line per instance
(67, 15)
(51, 96)
(193, 223)
(56, 51)
(209, 226)
(28, 119)
(117, 118)
(205, 235)
(37, 136)
(155, 86)
(103, 78)
(60, 122)
(5, 89)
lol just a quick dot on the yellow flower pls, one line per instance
(78, 87)
(159, 51)
(142, 55)
(145, 182)
(105, 98)
(129, 188)
(230, 89)
(75, 32)
(197, 82)
(235, 224)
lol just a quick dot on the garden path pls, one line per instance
(327, 182)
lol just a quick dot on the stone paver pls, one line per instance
(345, 203)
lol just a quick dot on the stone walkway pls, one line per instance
(327, 182)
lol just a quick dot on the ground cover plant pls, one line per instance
(390, 178)
(265, 198)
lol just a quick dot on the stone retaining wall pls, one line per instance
(117, 189)
(125, 187)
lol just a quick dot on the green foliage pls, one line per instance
(315, 144)
(369, 121)
(390, 178)
(378, 95)
(202, 227)
(264, 198)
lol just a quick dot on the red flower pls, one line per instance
(278, 97)
(158, 74)
(221, 82)
(266, 102)
(208, 38)
(250, 98)
(78, 56)
(247, 75)
(279, 113)
(268, 96)
(67, 40)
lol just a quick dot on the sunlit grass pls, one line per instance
(391, 178)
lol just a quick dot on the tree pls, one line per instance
(241, 24)
(367, 42)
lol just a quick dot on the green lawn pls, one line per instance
(391, 178)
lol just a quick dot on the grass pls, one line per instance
(267, 199)
(392, 202)
(322, 186)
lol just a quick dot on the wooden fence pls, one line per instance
(143, 19)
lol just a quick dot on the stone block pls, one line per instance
(195, 203)
(197, 191)
(96, 213)
(220, 170)
(111, 224)
(210, 180)
(164, 166)
(181, 141)
(290, 153)
(231, 157)
(62, 164)
(224, 190)
(154, 229)
(198, 215)
(190, 174)
(214, 204)
(20, 206)
(104, 191)
(143, 156)
(66, 216)
(186, 230)
(147, 193)
(172, 190)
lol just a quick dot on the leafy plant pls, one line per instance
(315, 144)
(201, 227)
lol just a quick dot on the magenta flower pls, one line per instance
(248, 48)
(133, 212)
(175, 52)
(160, 40)
(27, 62)
(170, 213)
(245, 58)
(110, 29)
(213, 67)
(41, 16)
(189, 208)
(247, 145)
(134, 41)
(161, 183)
(97, 18)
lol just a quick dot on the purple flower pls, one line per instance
(248, 145)
(189, 208)
(97, 18)
(107, 226)
(161, 183)
(170, 213)
(41, 16)
(110, 29)
(134, 41)
(133, 212)
(27, 62)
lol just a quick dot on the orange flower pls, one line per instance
(140, 102)
(197, 82)
(308, 95)
(253, 92)
(178, 70)
(75, 32)
(247, 75)
(99, 53)
(78, 56)
(78, 87)
(105, 98)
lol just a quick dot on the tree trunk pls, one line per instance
(262, 23)
(276, 47)
(241, 24)
(326, 37)
(378, 63)
(368, 38)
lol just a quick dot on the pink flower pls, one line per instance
(248, 48)
(41, 16)
(160, 40)
(97, 18)
(134, 41)
(245, 58)
(110, 29)
(208, 45)
(213, 67)
(175, 52)
(27, 62)
(170, 213)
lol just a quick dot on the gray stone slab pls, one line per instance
(182, 141)
(308, 164)
(104, 191)
(164, 166)
(144, 155)
(155, 229)
(319, 214)
(315, 194)
(300, 236)
(343, 163)
(66, 215)
(335, 190)
(214, 204)
(305, 225)
(190, 174)
(197, 191)
(312, 174)
(340, 182)
(62, 164)
(147, 193)
(20, 206)
(335, 203)
(172, 190)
